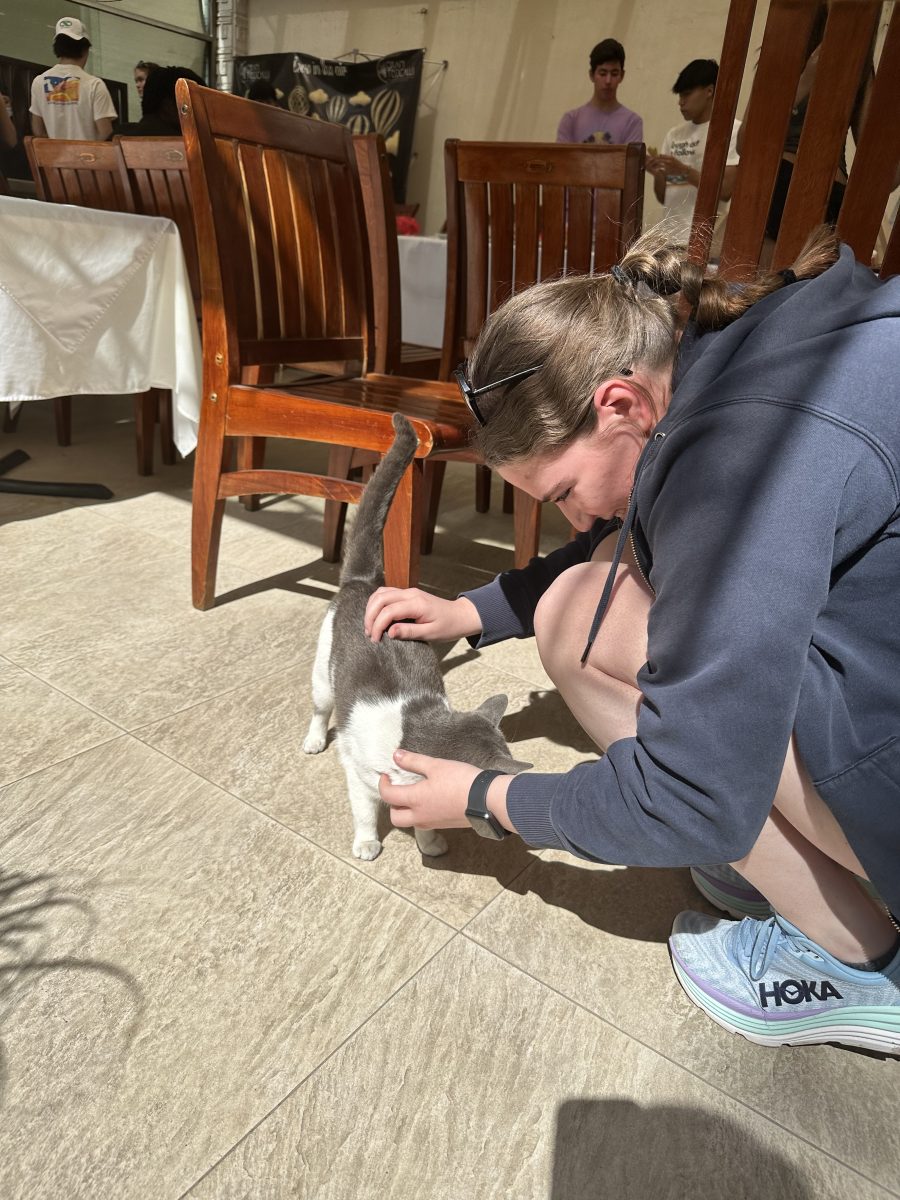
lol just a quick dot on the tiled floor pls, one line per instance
(203, 994)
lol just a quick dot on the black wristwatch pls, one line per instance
(481, 820)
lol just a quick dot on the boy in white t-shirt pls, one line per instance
(676, 169)
(66, 102)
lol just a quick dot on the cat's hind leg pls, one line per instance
(322, 695)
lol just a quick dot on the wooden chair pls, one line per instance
(843, 57)
(286, 279)
(517, 213)
(84, 173)
(93, 175)
(155, 172)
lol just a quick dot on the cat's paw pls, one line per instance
(366, 850)
(431, 843)
(314, 742)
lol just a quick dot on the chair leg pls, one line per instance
(166, 428)
(340, 459)
(251, 453)
(508, 501)
(526, 526)
(145, 406)
(482, 488)
(403, 531)
(433, 479)
(213, 455)
(10, 419)
(251, 456)
(62, 411)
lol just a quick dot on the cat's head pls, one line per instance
(476, 739)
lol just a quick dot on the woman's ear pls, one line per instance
(625, 399)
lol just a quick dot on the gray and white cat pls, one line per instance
(390, 693)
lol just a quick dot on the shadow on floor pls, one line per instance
(619, 1150)
(35, 917)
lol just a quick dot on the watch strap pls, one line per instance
(476, 806)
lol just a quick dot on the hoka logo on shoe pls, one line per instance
(797, 991)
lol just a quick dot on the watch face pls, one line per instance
(487, 825)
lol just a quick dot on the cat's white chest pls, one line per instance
(370, 737)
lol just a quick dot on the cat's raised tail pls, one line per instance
(364, 557)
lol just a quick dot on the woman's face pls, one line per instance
(589, 479)
(140, 78)
(593, 476)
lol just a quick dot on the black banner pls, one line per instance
(377, 95)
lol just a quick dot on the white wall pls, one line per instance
(514, 65)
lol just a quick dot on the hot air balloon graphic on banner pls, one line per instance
(377, 95)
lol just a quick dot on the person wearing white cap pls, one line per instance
(67, 102)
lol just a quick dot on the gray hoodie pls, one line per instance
(767, 520)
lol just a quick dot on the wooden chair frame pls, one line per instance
(285, 278)
(847, 43)
(517, 213)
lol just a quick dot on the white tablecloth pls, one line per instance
(96, 303)
(423, 285)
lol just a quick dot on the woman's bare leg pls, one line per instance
(801, 862)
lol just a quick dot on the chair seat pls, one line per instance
(351, 409)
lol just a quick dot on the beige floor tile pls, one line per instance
(126, 641)
(39, 726)
(475, 1081)
(174, 965)
(249, 741)
(598, 936)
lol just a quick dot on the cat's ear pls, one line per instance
(493, 708)
(515, 766)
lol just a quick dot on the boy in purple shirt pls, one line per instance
(603, 118)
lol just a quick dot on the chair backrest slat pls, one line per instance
(847, 90)
(88, 174)
(519, 212)
(877, 152)
(848, 38)
(280, 227)
(381, 222)
(155, 171)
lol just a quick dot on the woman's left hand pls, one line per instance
(438, 801)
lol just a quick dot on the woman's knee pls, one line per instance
(564, 614)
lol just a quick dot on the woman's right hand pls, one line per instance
(411, 614)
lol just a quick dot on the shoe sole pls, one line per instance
(761, 910)
(867, 1028)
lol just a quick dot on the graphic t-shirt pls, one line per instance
(70, 102)
(687, 143)
(591, 124)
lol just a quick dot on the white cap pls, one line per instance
(71, 28)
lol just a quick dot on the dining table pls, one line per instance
(96, 303)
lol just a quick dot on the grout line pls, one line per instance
(66, 758)
(674, 1061)
(315, 1070)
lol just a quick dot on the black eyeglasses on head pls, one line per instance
(469, 393)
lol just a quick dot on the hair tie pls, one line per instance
(788, 276)
(620, 276)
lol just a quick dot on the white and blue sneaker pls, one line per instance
(768, 982)
(730, 892)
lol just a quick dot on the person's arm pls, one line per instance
(635, 129)
(507, 604)
(104, 111)
(38, 128)
(8, 135)
(729, 639)
(728, 179)
(566, 129)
